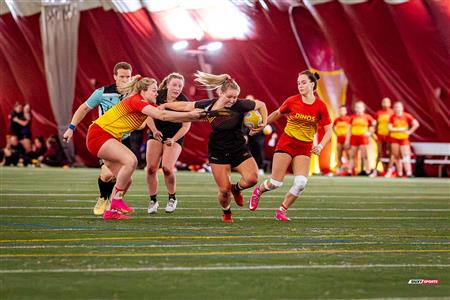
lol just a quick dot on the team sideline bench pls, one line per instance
(433, 149)
(430, 149)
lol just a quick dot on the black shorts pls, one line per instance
(233, 159)
(22, 135)
(150, 137)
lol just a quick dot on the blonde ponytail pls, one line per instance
(136, 85)
(220, 82)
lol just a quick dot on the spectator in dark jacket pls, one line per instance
(54, 156)
(14, 151)
(38, 149)
(20, 124)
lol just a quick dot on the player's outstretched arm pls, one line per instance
(275, 115)
(178, 106)
(78, 116)
(174, 116)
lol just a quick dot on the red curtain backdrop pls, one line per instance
(22, 74)
(400, 51)
(348, 51)
(394, 50)
(430, 59)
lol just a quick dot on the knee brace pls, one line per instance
(407, 159)
(299, 185)
(271, 184)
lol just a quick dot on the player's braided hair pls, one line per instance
(136, 85)
(220, 82)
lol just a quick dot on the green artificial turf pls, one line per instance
(349, 238)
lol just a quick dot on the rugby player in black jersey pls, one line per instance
(164, 144)
(227, 147)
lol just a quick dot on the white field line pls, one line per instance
(315, 235)
(216, 245)
(309, 194)
(224, 268)
(400, 204)
(310, 236)
(245, 209)
(236, 217)
(267, 200)
(145, 246)
(184, 228)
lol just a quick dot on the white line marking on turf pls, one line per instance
(369, 202)
(224, 268)
(147, 246)
(398, 195)
(236, 217)
(222, 230)
(245, 237)
(267, 200)
(217, 245)
(245, 209)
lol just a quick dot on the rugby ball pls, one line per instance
(253, 119)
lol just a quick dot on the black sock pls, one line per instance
(236, 187)
(153, 198)
(110, 187)
(105, 189)
(227, 211)
(172, 196)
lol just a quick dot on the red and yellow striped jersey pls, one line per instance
(341, 125)
(382, 116)
(303, 119)
(403, 121)
(123, 117)
(361, 123)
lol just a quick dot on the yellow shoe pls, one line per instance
(101, 205)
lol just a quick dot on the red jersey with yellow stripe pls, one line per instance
(341, 125)
(361, 123)
(403, 121)
(303, 119)
(382, 116)
(123, 117)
